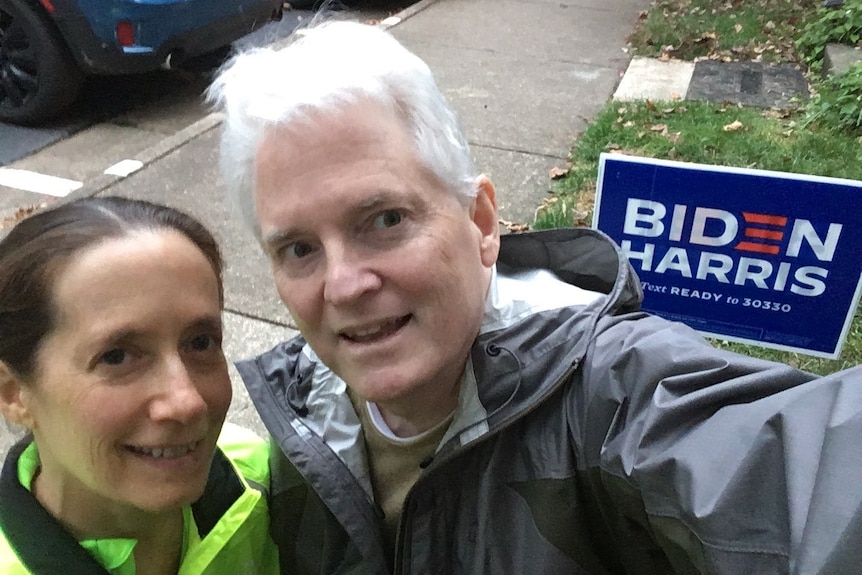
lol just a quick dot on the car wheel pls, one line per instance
(38, 77)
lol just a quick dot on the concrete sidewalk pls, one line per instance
(525, 76)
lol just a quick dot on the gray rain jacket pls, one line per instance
(590, 438)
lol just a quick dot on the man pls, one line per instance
(464, 403)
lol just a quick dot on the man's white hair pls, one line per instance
(325, 68)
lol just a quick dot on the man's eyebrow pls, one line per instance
(377, 201)
(279, 237)
(371, 203)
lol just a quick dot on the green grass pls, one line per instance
(695, 132)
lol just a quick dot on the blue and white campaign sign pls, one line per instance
(747, 255)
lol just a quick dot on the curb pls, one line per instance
(149, 156)
(197, 129)
(408, 12)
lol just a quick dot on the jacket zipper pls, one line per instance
(398, 565)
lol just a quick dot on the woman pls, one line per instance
(110, 355)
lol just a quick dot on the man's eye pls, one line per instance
(388, 219)
(297, 250)
(114, 357)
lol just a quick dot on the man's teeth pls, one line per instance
(166, 452)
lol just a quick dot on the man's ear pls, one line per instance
(484, 215)
(13, 398)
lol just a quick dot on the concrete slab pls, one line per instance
(749, 83)
(651, 79)
(579, 32)
(838, 58)
(187, 178)
(513, 103)
(521, 180)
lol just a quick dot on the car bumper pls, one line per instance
(165, 30)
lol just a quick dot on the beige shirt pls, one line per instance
(394, 463)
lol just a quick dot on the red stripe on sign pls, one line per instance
(764, 234)
(759, 248)
(764, 219)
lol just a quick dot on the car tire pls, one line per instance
(38, 76)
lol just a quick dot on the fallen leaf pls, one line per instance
(580, 218)
(557, 173)
(776, 114)
(734, 126)
(20, 214)
(515, 227)
(738, 28)
(675, 96)
(659, 128)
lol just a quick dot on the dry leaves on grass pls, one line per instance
(734, 126)
(770, 38)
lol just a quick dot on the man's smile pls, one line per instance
(374, 332)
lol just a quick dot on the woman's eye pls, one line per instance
(114, 357)
(388, 219)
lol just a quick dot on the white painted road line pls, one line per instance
(651, 79)
(36, 182)
(124, 168)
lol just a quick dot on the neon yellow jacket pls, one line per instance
(227, 529)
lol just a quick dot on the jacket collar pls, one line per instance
(47, 548)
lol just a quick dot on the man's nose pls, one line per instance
(179, 398)
(348, 277)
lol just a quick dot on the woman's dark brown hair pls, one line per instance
(38, 248)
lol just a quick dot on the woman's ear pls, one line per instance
(13, 398)
(487, 221)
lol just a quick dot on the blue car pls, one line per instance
(48, 46)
